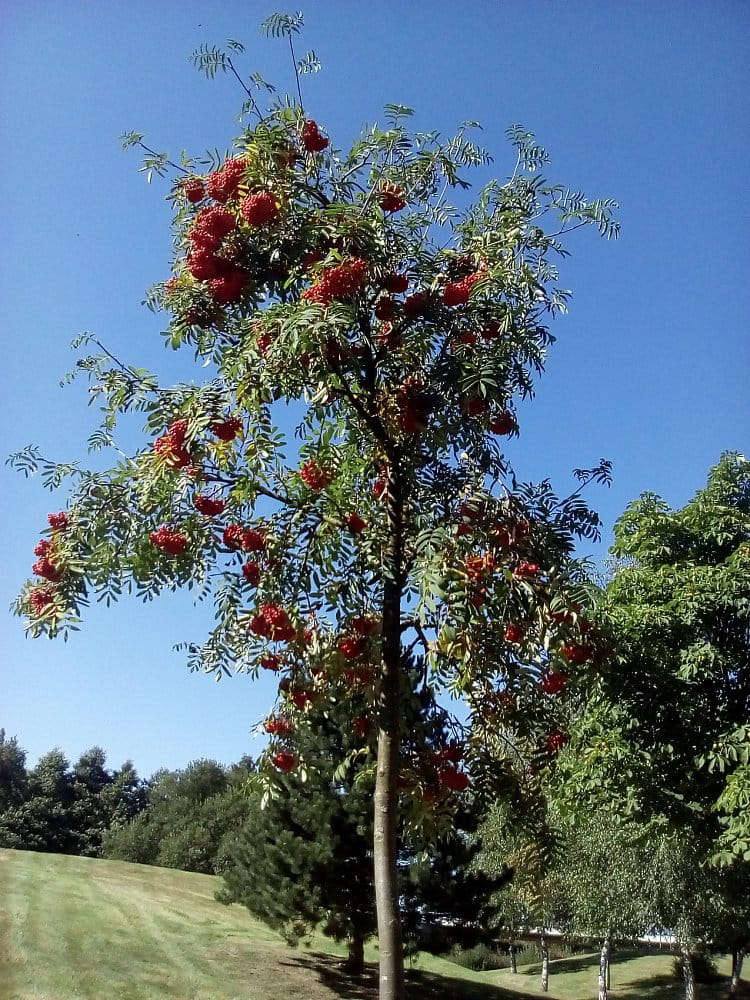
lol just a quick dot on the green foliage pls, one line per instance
(188, 815)
(54, 807)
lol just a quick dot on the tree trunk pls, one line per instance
(513, 962)
(738, 955)
(545, 962)
(691, 988)
(385, 826)
(355, 962)
(604, 970)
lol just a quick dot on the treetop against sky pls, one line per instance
(647, 370)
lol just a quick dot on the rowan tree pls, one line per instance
(343, 289)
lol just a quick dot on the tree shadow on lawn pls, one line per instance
(420, 985)
(667, 987)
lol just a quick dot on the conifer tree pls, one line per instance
(341, 287)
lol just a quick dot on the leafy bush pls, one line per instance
(480, 958)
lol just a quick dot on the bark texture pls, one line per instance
(738, 955)
(390, 944)
(688, 973)
(543, 947)
(355, 962)
(513, 959)
(604, 970)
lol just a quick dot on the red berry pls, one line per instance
(251, 572)
(364, 625)
(361, 726)
(355, 523)
(208, 506)
(40, 598)
(340, 282)
(514, 633)
(271, 662)
(210, 227)
(526, 569)
(451, 777)
(396, 283)
(553, 683)
(223, 183)
(385, 308)
(247, 539)
(227, 430)
(59, 521)
(503, 423)
(379, 487)
(392, 198)
(203, 265)
(474, 406)
(312, 140)
(42, 547)
(277, 726)
(301, 698)
(457, 292)
(194, 189)
(491, 331)
(229, 287)
(576, 653)
(259, 209)
(351, 648)
(315, 477)
(170, 541)
(284, 761)
(555, 741)
(416, 305)
(46, 568)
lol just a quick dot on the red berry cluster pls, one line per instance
(271, 662)
(40, 598)
(315, 477)
(208, 506)
(454, 779)
(59, 521)
(251, 572)
(46, 568)
(284, 761)
(457, 292)
(416, 305)
(352, 647)
(578, 653)
(514, 633)
(503, 423)
(414, 408)
(364, 625)
(553, 683)
(339, 282)
(222, 184)
(555, 741)
(227, 430)
(171, 446)
(355, 523)
(526, 569)
(210, 227)
(272, 623)
(194, 189)
(396, 283)
(247, 539)
(170, 541)
(277, 726)
(259, 209)
(392, 198)
(312, 140)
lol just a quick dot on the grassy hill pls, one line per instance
(83, 929)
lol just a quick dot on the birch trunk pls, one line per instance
(545, 962)
(688, 974)
(513, 960)
(604, 970)
(738, 955)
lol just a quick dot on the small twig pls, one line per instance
(160, 156)
(296, 72)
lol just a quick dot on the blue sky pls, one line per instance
(641, 101)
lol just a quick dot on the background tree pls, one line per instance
(13, 778)
(401, 331)
(663, 736)
(187, 816)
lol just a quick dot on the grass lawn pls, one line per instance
(83, 929)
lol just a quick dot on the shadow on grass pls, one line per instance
(420, 985)
(575, 963)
